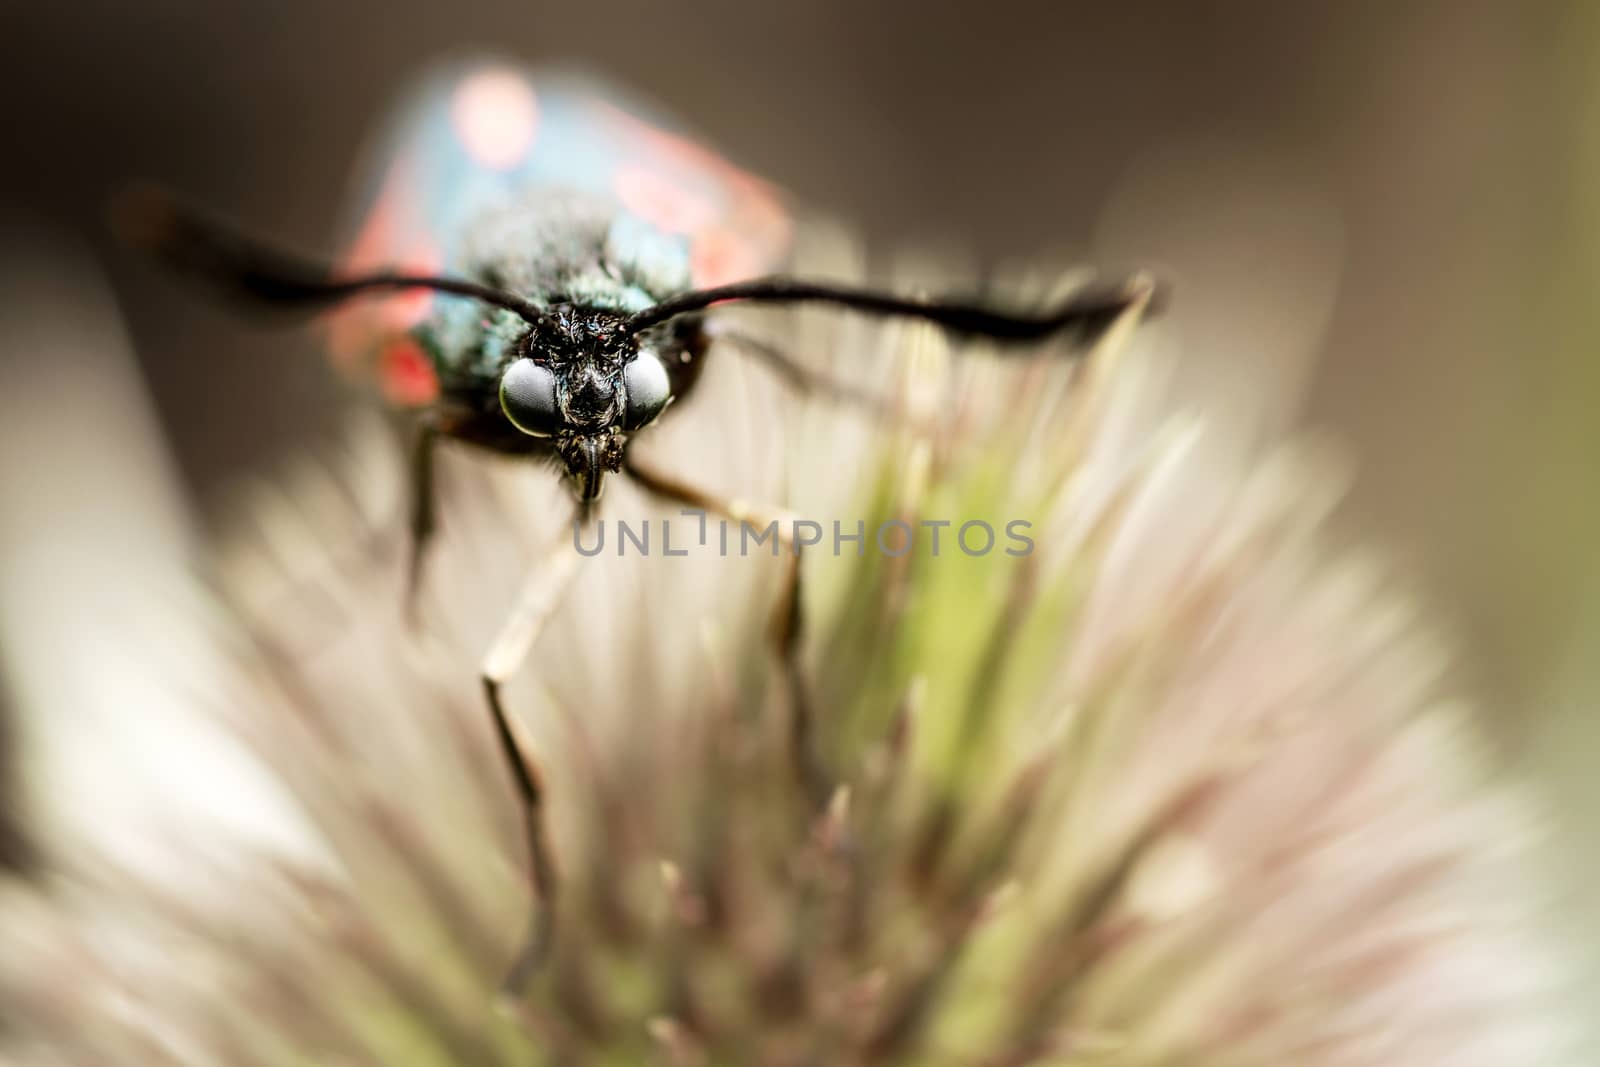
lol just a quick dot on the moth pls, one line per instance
(540, 265)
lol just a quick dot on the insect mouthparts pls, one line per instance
(588, 458)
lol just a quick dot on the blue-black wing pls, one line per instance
(540, 183)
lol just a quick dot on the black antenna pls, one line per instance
(196, 245)
(1090, 310)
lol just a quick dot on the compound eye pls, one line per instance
(528, 397)
(648, 389)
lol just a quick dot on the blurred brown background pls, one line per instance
(1451, 144)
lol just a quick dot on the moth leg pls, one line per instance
(424, 514)
(535, 604)
(804, 379)
(787, 620)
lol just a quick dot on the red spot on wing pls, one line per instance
(665, 204)
(719, 256)
(371, 326)
(495, 116)
(737, 222)
(670, 149)
(406, 375)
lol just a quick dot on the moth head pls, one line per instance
(584, 379)
(583, 371)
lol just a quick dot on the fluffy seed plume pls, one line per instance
(1179, 785)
